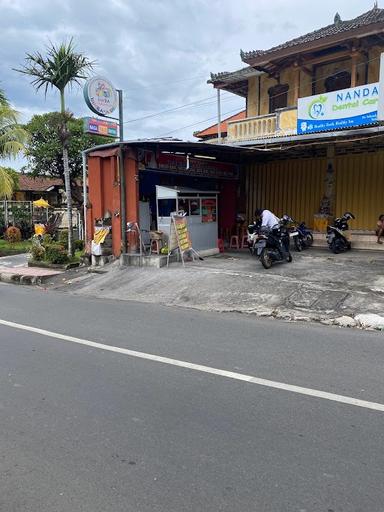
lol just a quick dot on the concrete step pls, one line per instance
(359, 240)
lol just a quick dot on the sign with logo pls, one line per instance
(100, 127)
(336, 110)
(100, 96)
(197, 167)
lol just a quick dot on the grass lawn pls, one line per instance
(7, 249)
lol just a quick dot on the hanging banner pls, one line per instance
(337, 110)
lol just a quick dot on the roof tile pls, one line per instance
(375, 15)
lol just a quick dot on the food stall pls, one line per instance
(200, 207)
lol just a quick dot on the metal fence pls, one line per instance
(18, 212)
(15, 212)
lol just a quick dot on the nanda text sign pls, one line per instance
(336, 110)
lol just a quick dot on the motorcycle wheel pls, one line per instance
(309, 240)
(298, 244)
(265, 259)
(289, 258)
(337, 247)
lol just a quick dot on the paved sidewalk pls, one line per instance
(14, 269)
(316, 286)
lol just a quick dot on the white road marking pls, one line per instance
(205, 369)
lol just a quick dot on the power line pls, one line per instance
(199, 122)
(274, 96)
(166, 83)
(194, 103)
(201, 102)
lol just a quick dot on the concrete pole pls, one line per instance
(218, 117)
(85, 196)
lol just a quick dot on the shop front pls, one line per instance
(158, 178)
(199, 208)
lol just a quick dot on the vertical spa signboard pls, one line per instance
(347, 108)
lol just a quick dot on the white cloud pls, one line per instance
(160, 53)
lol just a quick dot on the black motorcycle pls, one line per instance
(337, 234)
(272, 245)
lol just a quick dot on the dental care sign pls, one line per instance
(336, 110)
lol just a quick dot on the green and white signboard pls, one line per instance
(337, 110)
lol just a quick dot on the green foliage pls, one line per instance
(12, 135)
(56, 253)
(13, 235)
(6, 184)
(37, 252)
(63, 237)
(45, 151)
(14, 175)
(62, 66)
(47, 239)
(79, 245)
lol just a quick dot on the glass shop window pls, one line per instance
(166, 206)
(194, 206)
(184, 205)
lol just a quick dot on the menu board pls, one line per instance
(208, 210)
(179, 235)
(183, 233)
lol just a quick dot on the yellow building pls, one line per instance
(308, 167)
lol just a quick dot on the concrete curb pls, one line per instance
(23, 279)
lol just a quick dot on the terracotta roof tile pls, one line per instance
(38, 184)
(212, 130)
(375, 15)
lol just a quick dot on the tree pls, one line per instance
(61, 67)
(12, 140)
(7, 184)
(44, 149)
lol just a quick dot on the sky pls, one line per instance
(160, 52)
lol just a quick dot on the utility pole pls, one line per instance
(123, 198)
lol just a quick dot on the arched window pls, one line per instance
(341, 80)
(278, 97)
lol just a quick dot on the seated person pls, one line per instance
(380, 228)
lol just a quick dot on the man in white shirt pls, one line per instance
(268, 219)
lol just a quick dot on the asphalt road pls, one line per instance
(17, 260)
(86, 429)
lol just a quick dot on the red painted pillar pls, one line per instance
(132, 192)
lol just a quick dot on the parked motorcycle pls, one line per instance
(304, 237)
(272, 245)
(252, 232)
(337, 238)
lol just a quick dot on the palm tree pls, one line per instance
(7, 184)
(12, 140)
(62, 66)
